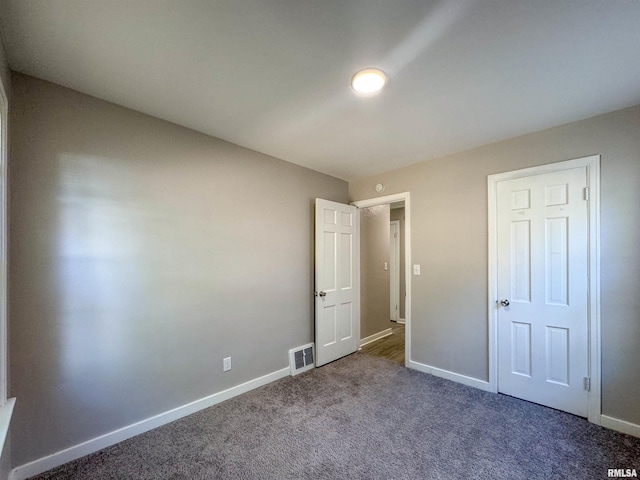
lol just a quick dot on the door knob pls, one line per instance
(323, 294)
(504, 302)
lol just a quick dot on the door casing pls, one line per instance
(592, 164)
(389, 199)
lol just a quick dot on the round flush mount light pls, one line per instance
(379, 187)
(369, 81)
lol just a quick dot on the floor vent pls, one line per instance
(301, 359)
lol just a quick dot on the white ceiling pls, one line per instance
(273, 75)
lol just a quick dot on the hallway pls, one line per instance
(391, 347)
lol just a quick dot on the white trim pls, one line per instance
(454, 377)
(401, 320)
(6, 411)
(357, 270)
(620, 425)
(492, 287)
(595, 345)
(592, 164)
(6, 405)
(389, 199)
(90, 446)
(375, 336)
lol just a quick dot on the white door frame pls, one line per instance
(389, 199)
(394, 277)
(592, 164)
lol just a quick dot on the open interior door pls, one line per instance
(336, 281)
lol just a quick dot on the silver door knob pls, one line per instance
(323, 294)
(504, 302)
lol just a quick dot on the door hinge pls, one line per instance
(587, 384)
(586, 193)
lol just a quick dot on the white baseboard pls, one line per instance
(620, 425)
(90, 446)
(455, 377)
(606, 421)
(375, 336)
(401, 320)
(6, 411)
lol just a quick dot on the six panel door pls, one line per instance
(542, 274)
(336, 281)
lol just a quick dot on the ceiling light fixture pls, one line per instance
(369, 81)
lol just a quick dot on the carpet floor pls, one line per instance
(363, 417)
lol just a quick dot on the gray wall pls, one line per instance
(142, 253)
(398, 214)
(449, 240)
(5, 73)
(374, 280)
(5, 78)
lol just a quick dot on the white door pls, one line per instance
(394, 269)
(542, 233)
(336, 281)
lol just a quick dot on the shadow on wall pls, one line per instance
(125, 271)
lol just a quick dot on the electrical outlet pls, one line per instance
(226, 364)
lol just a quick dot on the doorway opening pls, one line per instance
(385, 298)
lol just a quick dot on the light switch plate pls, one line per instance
(416, 269)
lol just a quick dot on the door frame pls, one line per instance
(592, 164)
(389, 199)
(394, 259)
